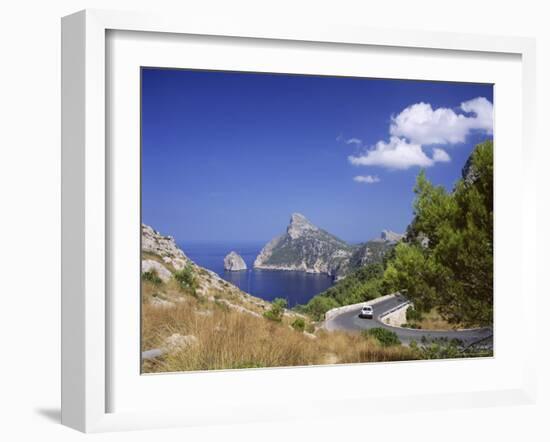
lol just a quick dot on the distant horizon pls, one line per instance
(229, 156)
(264, 240)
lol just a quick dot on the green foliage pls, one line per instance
(186, 278)
(279, 302)
(152, 277)
(299, 324)
(319, 305)
(439, 351)
(387, 338)
(370, 252)
(443, 349)
(363, 284)
(277, 310)
(454, 270)
(413, 314)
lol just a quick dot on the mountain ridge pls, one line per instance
(308, 248)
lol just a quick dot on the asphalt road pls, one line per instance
(350, 321)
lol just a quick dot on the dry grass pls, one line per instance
(229, 330)
(434, 321)
(229, 339)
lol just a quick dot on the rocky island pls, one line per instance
(304, 247)
(233, 262)
(308, 248)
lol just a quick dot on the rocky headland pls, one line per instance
(308, 248)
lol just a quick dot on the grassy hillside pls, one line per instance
(202, 322)
(224, 338)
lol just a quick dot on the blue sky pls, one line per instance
(229, 156)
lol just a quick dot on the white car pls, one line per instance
(366, 312)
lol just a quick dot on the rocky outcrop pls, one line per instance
(469, 172)
(149, 265)
(161, 254)
(179, 342)
(233, 262)
(300, 226)
(304, 247)
(388, 235)
(165, 247)
(368, 253)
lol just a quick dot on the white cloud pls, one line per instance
(421, 124)
(440, 156)
(355, 141)
(398, 153)
(367, 179)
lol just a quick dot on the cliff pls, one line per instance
(177, 276)
(305, 247)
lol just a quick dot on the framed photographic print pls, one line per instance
(228, 157)
(248, 211)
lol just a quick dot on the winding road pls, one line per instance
(350, 321)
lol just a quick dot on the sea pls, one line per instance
(295, 287)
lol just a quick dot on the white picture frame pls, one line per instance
(86, 207)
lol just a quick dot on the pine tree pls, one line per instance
(447, 261)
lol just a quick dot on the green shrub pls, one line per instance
(387, 338)
(152, 277)
(413, 314)
(363, 284)
(277, 310)
(186, 278)
(319, 305)
(299, 324)
(445, 349)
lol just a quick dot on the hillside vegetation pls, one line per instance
(201, 322)
(444, 266)
(447, 261)
(224, 338)
(362, 285)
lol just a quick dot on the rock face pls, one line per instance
(470, 174)
(162, 254)
(153, 243)
(149, 265)
(388, 235)
(233, 262)
(369, 253)
(304, 247)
